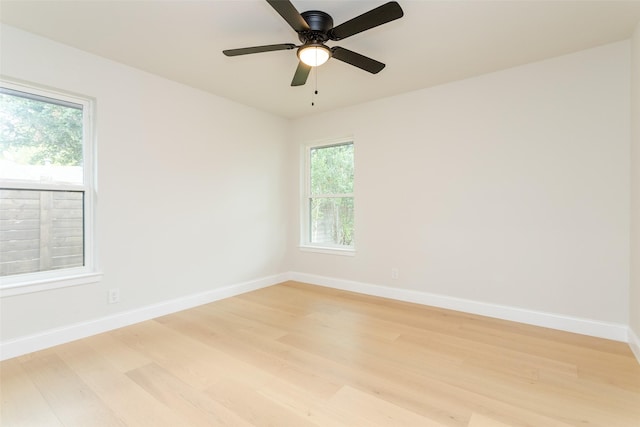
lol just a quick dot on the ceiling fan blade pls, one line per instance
(290, 14)
(380, 15)
(302, 72)
(363, 62)
(258, 49)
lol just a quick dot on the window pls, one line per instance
(328, 202)
(46, 190)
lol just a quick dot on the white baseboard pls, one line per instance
(28, 344)
(612, 331)
(634, 343)
(24, 345)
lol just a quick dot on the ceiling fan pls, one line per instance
(315, 28)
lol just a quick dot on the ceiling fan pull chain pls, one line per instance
(315, 91)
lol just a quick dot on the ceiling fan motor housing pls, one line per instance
(319, 25)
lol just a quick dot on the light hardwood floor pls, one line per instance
(300, 355)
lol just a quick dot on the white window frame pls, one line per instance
(19, 284)
(305, 196)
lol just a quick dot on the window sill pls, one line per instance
(328, 250)
(28, 287)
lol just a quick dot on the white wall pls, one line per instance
(510, 188)
(190, 187)
(634, 295)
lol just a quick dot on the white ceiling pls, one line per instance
(434, 43)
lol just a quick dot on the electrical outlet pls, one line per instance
(394, 273)
(113, 296)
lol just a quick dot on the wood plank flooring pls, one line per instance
(300, 355)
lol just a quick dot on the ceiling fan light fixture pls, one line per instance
(314, 54)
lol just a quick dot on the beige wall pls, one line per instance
(510, 188)
(634, 296)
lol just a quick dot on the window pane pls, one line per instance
(40, 230)
(40, 140)
(331, 220)
(332, 169)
